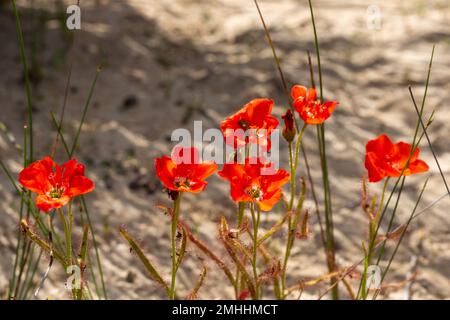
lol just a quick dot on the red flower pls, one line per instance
(55, 185)
(256, 116)
(311, 109)
(183, 171)
(288, 128)
(243, 295)
(385, 159)
(249, 183)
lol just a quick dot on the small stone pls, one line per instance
(131, 277)
(130, 102)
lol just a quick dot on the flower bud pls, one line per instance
(173, 194)
(288, 128)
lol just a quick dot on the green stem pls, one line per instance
(19, 234)
(401, 237)
(241, 210)
(24, 259)
(176, 212)
(255, 221)
(293, 163)
(280, 290)
(16, 255)
(427, 83)
(297, 147)
(70, 219)
(292, 225)
(362, 291)
(85, 110)
(330, 246)
(329, 226)
(27, 275)
(240, 219)
(291, 166)
(316, 43)
(277, 61)
(382, 200)
(23, 59)
(69, 238)
(33, 273)
(391, 222)
(67, 234)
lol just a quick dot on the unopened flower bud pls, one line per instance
(288, 128)
(173, 194)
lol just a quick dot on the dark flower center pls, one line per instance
(56, 192)
(254, 192)
(182, 182)
(243, 123)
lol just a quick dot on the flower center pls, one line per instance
(56, 192)
(310, 115)
(182, 182)
(393, 163)
(244, 124)
(254, 192)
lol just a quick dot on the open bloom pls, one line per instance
(385, 159)
(55, 185)
(183, 170)
(311, 109)
(254, 118)
(250, 183)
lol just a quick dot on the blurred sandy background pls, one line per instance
(168, 63)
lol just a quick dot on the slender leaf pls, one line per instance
(154, 275)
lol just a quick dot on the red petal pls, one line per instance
(186, 155)
(45, 203)
(68, 170)
(48, 163)
(331, 105)
(267, 203)
(271, 124)
(204, 170)
(35, 176)
(165, 167)
(380, 146)
(312, 94)
(195, 187)
(79, 185)
(298, 91)
(375, 172)
(243, 295)
(231, 170)
(275, 181)
(419, 166)
(258, 110)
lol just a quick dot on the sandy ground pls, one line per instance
(168, 63)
